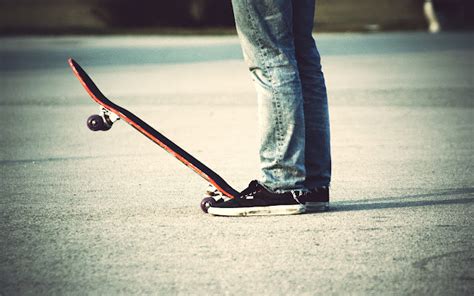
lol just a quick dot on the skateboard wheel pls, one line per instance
(206, 203)
(96, 123)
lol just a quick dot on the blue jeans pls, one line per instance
(278, 46)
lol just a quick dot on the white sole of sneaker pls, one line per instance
(271, 210)
(258, 211)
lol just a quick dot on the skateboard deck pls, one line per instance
(112, 112)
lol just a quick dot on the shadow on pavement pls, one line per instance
(404, 201)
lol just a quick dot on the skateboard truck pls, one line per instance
(102, 121)
(213, 196)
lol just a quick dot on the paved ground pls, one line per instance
(107, 213)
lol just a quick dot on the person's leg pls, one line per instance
(317, 149)
(265, 32)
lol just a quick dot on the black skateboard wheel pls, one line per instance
(206, 203)
(96, 123)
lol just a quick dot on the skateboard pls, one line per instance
(111, 112)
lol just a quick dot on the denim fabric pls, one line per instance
(278, 46)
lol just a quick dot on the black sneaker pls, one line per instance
(257, 200)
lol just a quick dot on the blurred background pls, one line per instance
(215, 16)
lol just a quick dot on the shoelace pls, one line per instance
(251, 190)
(295, 194)
(254, 187)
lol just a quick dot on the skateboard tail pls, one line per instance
(151, 133)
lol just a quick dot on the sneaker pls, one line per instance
(257, 200)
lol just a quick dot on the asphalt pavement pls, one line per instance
(111, 213)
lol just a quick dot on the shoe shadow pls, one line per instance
(428, 199)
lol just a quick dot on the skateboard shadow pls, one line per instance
(422, 200)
